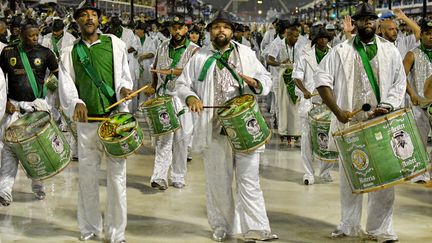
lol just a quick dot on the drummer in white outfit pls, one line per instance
(344, 86)
(212, 83)
(171, 149)
(111, 52)
(303, 73)
(58, 39)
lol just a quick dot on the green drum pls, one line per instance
(382, 152)
(161, 115)
(40, 146)
(120, 134)
(51, 83)
(244, 124)
(319, 121)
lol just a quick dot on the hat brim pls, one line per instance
(356, 17)
(208, 27)
(76, 13)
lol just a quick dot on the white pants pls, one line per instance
(379, 213)
(9, 166)
(424, 128)
(91, 152)
(235, 213)
(306, 153)
(171, 152)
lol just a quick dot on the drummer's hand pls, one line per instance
(10, 108)
(378, 111)
(415, 99)
(125, 92)
(80, 113)
(149, 91)
(194, 104)
(343, 116)
(250, 81)
(307, 95)
(162, 71)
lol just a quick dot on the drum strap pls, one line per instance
(30, 75)
(217, 56)
(368, 68)
(88, 67)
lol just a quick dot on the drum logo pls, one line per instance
(322, 139)
(164, 118)
(252, 126)
(402, 145)
(57, 144)
(359, 159)
(33, 158)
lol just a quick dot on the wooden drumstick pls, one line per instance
(97, 118)
(365, 107)
(127, 97)
(314, 94)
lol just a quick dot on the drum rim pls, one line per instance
(169, 98)
(390, 184)
(241, 112)
(319, 120)
(122, 139)
(131, 152)
(369, 123)
(265, 141)
(34, 136)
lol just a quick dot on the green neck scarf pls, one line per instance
(142, 39)
(370, 49)
(427, 52)
(54, 41)
(224, 57)
(320, 54)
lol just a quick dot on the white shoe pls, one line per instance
(260, 235)
(219, 235)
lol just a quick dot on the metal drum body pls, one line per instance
(382, 152)
(123, 143)
(244, 124)
(40, 146)
(319, 121)
(161, 115)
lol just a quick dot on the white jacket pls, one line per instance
(188, 84)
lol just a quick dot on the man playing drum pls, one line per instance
(213, 76)
(418, 67)
(364, 69)
(25, 65)
(104, 64)
(303, 77)
(171, 149)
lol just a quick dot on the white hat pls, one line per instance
(330, 27)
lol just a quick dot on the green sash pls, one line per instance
(175, 55)
(290, 85)
(368, 69)
(85, 61)
(30, 75)
(427, 52)
(217, 56)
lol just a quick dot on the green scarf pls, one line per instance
(54, 41)
(290, 85)
(224, 57)
(142, 39)
(176, 54)
(320, 54)
(370, 49)
(427, 52)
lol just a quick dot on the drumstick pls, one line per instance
(315, 94)
(97, 118)
(127, 97)
(365, 107)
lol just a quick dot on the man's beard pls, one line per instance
(366, 34)
(221, 42)
(178, 41)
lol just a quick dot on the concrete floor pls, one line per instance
(297, 213)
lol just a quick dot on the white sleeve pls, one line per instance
(3, 94)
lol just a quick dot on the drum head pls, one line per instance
(117, 127)
(320, 113)
(237, 105)
(27, 126)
